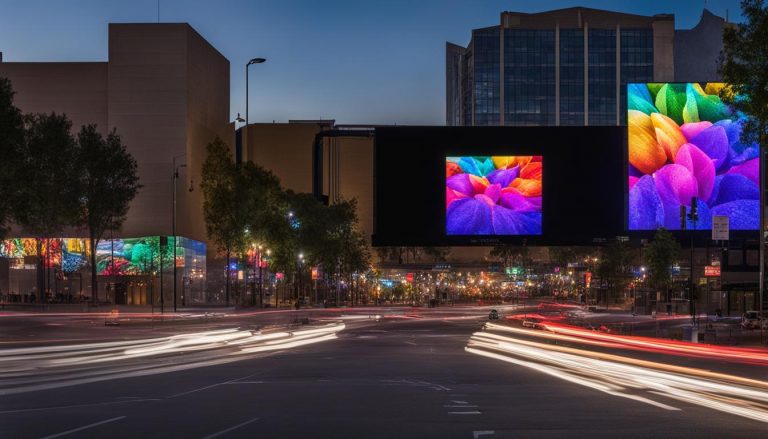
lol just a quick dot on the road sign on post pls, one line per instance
(720, 228)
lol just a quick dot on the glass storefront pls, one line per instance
(131, 271)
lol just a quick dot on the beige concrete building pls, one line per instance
(166, 91)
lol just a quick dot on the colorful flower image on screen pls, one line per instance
(499, 195)
(684, 142)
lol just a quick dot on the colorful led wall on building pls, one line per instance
(128, 256)
(493, 195)
(684, 142)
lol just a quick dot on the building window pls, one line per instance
(571, 77)
(529, 77)
(486, 76)
(636, 62)
(602, 77)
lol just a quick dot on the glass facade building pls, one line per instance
(486, 83)
(562, 67)
(529, 77)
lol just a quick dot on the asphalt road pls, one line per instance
(396, 378)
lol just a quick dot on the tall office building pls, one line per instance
(562, 67)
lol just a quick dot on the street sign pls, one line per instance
(720, 227)
(711, 270)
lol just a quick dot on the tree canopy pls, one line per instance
(108, 182)
(245, 206)
(660, 255)
(744, 67)
(11, 138)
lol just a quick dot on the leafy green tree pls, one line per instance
(743, 67)
(355, 255)
(660, 255)
(262, 208)
(11, 140)
(243, 205)
(225, 221)
(616, 260)
(263, 203)
(400, 255)
(437, 254)
(109, 181)
(48, 187)
(510, 254)
(327, 236)
(563, 255)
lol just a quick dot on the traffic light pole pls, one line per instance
(693, 216)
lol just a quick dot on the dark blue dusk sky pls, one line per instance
(359, 62)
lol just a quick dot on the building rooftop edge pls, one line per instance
(664, 16)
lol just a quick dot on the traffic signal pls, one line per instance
(682, 217)
(693, 215)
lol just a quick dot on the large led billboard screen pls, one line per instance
(493, 195)
(684, 144)
(453, 186)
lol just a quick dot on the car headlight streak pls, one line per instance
(623, 376)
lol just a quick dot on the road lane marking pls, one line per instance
(459, 402)
(461, 406)
(219, 433)
(433, 386)
(211, 386)
(59, 407)
(84, 427)
(475, 412)
(477, 433)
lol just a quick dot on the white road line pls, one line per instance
(459, 402)
(246, 382)
(84, 427)
(465, 413)
(461, 406)
(212, 385)
(477, 433)
(59, 407)
(219, 433)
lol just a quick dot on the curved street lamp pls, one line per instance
(252, 61)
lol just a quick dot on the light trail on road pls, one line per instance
(622, 376)
(37, 368)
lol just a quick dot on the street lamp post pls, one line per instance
(261, 282)
(253, 61)
(300, 266)
(173, 223)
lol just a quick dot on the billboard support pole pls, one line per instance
(761, 229)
